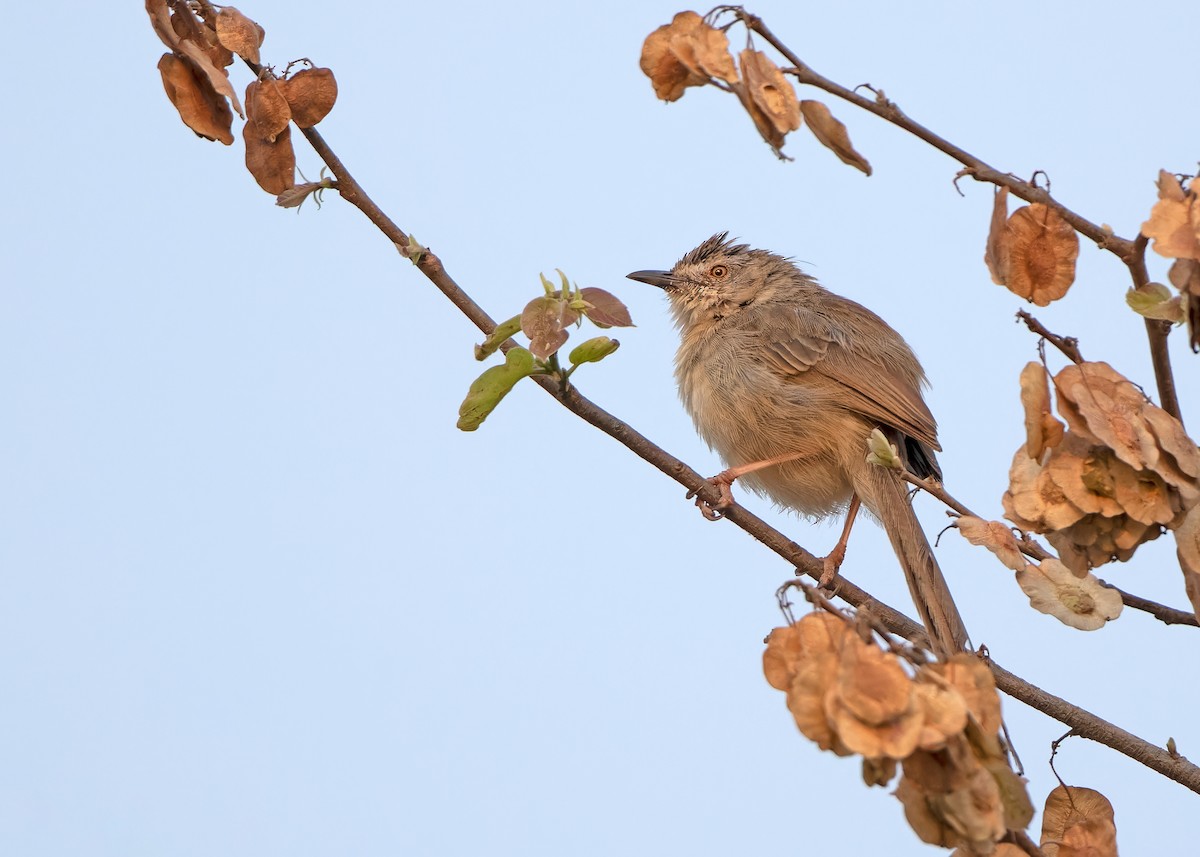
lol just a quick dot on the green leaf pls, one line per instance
(414, 251)
(594, 350)
(1154, 300)
(493, 385)
(503, 332)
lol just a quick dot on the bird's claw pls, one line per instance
(715, 511)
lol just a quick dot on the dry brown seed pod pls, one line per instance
(668, 75)
(832, 134)
(994, 536)
(311, 94)
(199, 106)
(272, 163)
(1042, 430)
(1082, 603)
(239, 34)
(1174, 222)
(1041, 254)
(770, 91)
(1078, 822)
(995, 255)
(267, 111)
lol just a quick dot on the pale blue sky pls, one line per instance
(261, 598)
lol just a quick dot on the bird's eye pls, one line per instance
(718, 271)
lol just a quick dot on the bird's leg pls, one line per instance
(833, 561)
(724, 480)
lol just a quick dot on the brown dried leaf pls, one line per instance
(1187, 547)
(872, 706)
(770, 91)
(1174, 220)
(272, 163)
(995, 256)
(832, 134)
(239, 34)
(1082, 603)
(994, 536)
(545, 321)
(605, 309)
(667, 74)
(200, 108)
(1041, 254)
(311, 93)
(1042, 430)
(1078, 822)
(267, 111)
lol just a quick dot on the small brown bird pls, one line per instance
(786, 381)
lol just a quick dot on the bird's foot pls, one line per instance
(721, 484)
(830, 565)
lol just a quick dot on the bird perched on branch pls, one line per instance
(786, 381)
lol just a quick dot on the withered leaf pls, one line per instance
(976, 684)
(200, 108)
(1154, 300)
(1078, 822)
(1174, 222)
(832, 134)
(605, 309)
(770, 91)
(1041, 254)
(668, 75)
(239, 34)
(267, 111)
(311, 93)
(272, 163)
(545, 321)
(995, 256)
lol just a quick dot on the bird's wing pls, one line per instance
(869, 386)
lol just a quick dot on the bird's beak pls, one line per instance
(662, 279)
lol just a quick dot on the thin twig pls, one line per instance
(1068, 345)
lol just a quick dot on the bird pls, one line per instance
(786, 381)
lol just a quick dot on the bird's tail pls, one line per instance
(888, 500)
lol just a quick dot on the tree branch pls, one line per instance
(431, 266)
